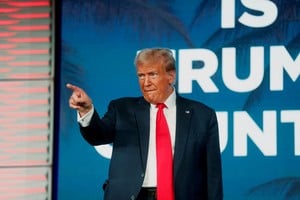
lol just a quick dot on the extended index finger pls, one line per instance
(74, 88)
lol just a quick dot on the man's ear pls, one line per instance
(172, 77)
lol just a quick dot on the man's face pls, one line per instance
(156, 84)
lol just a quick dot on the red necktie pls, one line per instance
(164, 158)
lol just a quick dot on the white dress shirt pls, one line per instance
(85, 120)
(170, 114)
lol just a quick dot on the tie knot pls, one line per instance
(161, 105)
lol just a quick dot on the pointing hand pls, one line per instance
(79, 100)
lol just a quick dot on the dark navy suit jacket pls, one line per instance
(197, 160)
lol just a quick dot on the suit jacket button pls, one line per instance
(132, 197)
(142, 175)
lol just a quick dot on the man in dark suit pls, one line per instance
(129, 124)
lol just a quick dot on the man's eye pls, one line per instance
(141, 76)
(153, 75)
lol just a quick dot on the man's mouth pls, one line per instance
(149, 91)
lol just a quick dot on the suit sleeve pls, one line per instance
(100, 130)
(214, 165)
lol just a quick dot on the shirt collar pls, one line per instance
(170, 102)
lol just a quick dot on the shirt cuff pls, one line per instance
(85, 120)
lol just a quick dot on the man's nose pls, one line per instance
(147, 80)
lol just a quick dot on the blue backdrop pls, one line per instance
(239, 57)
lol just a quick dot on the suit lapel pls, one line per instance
(183, 116)
(142, 116)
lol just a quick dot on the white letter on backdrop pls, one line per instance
(280, 59)
(256, 70)
(293, 116)
(267, 8)
(187, 74)
(228, 13)
(245, 127)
